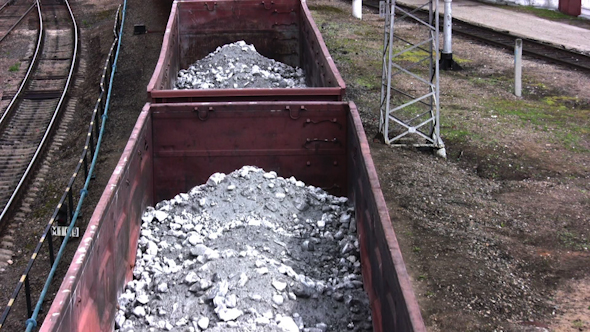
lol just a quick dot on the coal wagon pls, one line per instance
(172, 148)
(183, 136)
(282, 30)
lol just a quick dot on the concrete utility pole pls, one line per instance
(518, 67)
(357, 9)
(446, 57)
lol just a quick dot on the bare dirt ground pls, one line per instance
(495, 237)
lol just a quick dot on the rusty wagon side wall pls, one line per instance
(307, 140)
(177, 146)
(103, 262)
(280, 29)
(393, 304)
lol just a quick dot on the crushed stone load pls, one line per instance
(236, 66)
(247, 251)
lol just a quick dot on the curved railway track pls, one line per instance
(30, 119)
(534, 48)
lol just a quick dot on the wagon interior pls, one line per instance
(282, 30)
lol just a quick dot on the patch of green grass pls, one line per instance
(422, 277)
(346, 48)
(326, 9)
(498, 80)
(457, 135)
(540, 85)
(454, 130)
(570, 126)
(562, 102)
(578, 324)
(544, 13)
(525, 111)
(416, 249)
(367, 32)
(533, 90)
(350, 45)
(15, 67)
(571, 240)
(461, 61)
(570, 140)
(340, 44)
(371, 83)
(416, 55)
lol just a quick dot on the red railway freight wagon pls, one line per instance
(282, 30)
(174, 147)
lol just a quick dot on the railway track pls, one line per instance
(29, 120)
(534, 48)
(12, 13)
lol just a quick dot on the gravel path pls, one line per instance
(248, 251)
(239, 65)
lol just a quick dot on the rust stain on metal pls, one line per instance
(185, 152)
(287, 33)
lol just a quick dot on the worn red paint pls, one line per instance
(171, 149)
(177, 144)
(87, 298)
(570, 7)
(280, 29)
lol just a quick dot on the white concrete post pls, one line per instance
(448, 28)
(518, 67)
(357, 9)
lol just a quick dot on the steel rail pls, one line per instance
(56, 112)
(32, 321)
(25, 81)
(18, 22)
(65, 205)
(42, 143)
(6, 4)
(531, 47)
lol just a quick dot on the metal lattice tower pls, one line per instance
(410, 82)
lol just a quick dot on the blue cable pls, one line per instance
(32, 322)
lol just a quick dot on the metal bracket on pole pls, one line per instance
(410, 80)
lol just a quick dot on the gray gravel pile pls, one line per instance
(247, 251)
(239, 65)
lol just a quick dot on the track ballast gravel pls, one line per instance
(238, 65)
(247, 251)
